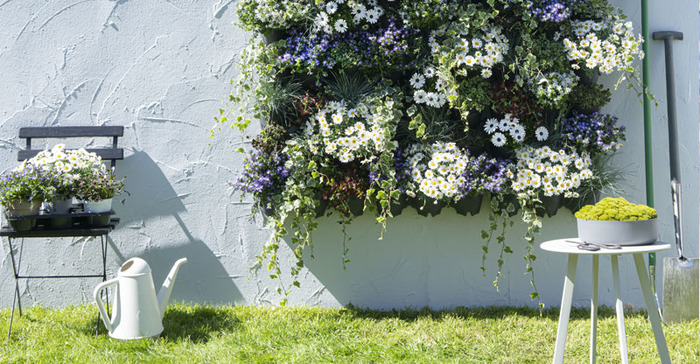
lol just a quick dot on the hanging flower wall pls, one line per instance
(372, 105)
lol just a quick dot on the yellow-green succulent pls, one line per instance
(616, 209)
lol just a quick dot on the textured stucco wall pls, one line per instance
(160, 68)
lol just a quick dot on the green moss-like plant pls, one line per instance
(616, 209)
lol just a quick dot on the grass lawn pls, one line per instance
(202, 334)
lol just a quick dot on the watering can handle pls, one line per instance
(100, 305)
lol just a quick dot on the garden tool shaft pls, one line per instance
(668, 37)
(680, 274)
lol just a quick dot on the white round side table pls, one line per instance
(569, 246)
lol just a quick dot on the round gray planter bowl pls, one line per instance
(640, 232)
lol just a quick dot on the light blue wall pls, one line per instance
(160, 69)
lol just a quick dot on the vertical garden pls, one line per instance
(376, 106)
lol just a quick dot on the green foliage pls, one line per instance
(589, 97)
(616, 209)
(349, 86)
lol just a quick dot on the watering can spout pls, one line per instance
(167, 287)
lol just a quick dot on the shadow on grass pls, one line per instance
(483, 313)
(197, 323)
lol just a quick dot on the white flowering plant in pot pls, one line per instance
(71, 165)
(437, 101)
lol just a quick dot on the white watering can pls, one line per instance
(137, 312)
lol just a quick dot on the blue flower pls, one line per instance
(595, 133)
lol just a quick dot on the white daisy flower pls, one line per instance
(498, 139)
(518, 133)
(417, 81)
(504, 125)
(341, 26)
(541, 133)
(491, 125)
(431, 99)
(331, 7)
(372, 16)
(419, 96)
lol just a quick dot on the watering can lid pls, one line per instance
(134, 267)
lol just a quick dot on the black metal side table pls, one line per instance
(86, 231)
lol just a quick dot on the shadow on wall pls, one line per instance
(422, 261)
(203, 278)
(430, 261)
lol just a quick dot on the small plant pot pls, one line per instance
(274, 35)
(640, 232)
(98, 207)
(356, 206)
(60, 222)
(62, 206)
(575, 204)
(395, 206)
(510, 199)
(321, 206)
(468, 204)
(588, 77)
(427, 206)
(20, 208)
(550, 206)
(99, 221)
(23, 224)
(19, 214)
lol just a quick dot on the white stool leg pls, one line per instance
(652, 309)
(565, 309)
(619, 310)
(594, 309)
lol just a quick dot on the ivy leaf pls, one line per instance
(412, 110)
(421, 131)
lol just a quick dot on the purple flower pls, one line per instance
(595, 133)
(264, 176)
(386, 47)
(553, 10)
(484, 174)
(402, 169)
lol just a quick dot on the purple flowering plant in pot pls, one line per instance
(23, 189)
(438, 101)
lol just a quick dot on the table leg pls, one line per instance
(619, 309)
(15, 296)
(594, 310)
(104, 241)
(19, 267)
(652, 309)
(565, 309)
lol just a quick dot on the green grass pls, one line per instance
(201, 334)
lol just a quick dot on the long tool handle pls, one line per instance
(668, 37)
(677, 222)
